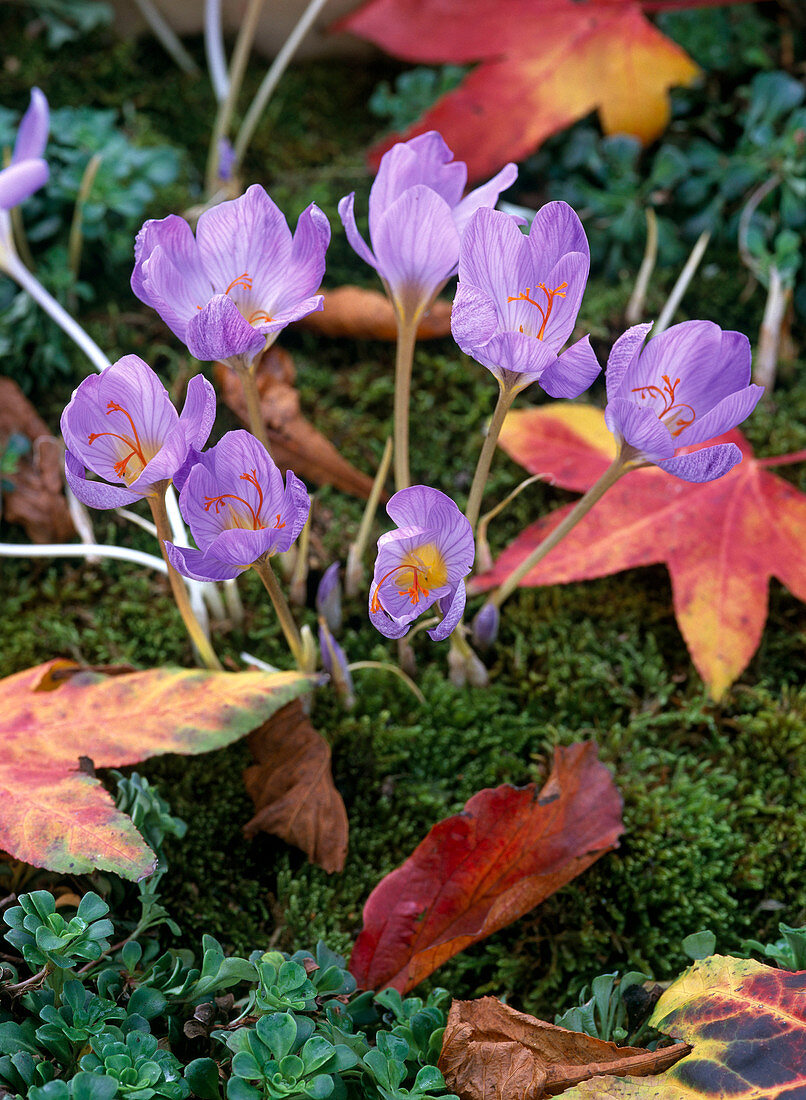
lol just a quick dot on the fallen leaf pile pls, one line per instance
(35, 498)
(543, 65)
(294, 442)
(56, 715)
(292, 787)
(722, 540)
(478, 871)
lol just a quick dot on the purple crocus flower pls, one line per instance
(227, 292)
(421, 564)
(417, 217)
(519, 296)
(28, 170)
(121, 425)
(686, 386)
(237, 509)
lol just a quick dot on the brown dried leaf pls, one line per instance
(368, 315)
(295, 443)
(493, 1052)
(36, 500)
(292, 787)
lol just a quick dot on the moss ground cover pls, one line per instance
(714, 795)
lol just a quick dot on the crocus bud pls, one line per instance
(328, 597)
(485, 626)
(308, 649)
(335, 664)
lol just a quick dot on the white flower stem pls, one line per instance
(284, 614)
(272, 78)
(506, 395)
(214, 49)
(354, 572)
(635, 306)
(167, 37)
(31, 285)
(81, 550)
(681, 286)
(404, 361)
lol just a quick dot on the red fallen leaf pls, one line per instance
(36, 500)
(746, 1023)
(476, 872)
(368, 315)
(722, 541)
(489, 1049)
(294, 442)
(57, 816)
(544, 64)
(292, 787)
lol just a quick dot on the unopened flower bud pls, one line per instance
(308, 649)
(485, 626)
(335, 664)
(328, 597)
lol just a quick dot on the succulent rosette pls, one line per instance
(121, 425)
(28, 171)
(238, 510)
(417, 215)
(229, 290)
(422, 564)
(688, 385)
(519, 296)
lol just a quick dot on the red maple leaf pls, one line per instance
(722, 540)
(544, 64)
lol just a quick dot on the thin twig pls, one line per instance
(272, 78)
(635, 306)
(756, 198)
(75, 239)
(167, 37)
(214, 49)
(683, 280)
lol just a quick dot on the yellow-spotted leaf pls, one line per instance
(746, 1023)
(55, 815)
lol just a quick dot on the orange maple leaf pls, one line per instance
(721, 540)
(544, 64)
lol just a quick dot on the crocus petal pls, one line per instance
(730, 411)
(409, 507)
(241, 548)
(244, 236)
(306, 268)
(417, 247)
(484, 196)
(198, 566)
(425, 160)
(18, 181)
(181, 475)
(220, 330)
(495, 258)
(198, 414)
(518, 353)
(688, 352)
(196, 503)
(623, 354)
(572, 372)
(452, 608)
(640, 428)
(168, 273)
(32, 135)
(474, 318)
(572, 269)
(294, 510)
(168, 459)
(95, 494)
(556, 229)
(390, 628)
(705, 465)
(357, 242)
(239, 453)
(281, 318)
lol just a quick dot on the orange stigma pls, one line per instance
(677, 413)
(244, 280)
(414, 591)
(260, 316)
(544, 310)
(255, 514)
(135, 444)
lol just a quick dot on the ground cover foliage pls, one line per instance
(714, 795)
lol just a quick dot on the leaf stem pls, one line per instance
(180, 592)
(611, 475)
(353, 574)
(287, 622)
(257, 423)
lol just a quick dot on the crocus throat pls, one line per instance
(134, 445)
(676, 415)
(545, 309)
(256, 317)
(239, 520)
(420, 570)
